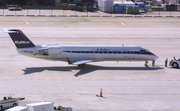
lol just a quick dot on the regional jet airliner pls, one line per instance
(79, 55)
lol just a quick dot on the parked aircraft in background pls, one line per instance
(79, 55)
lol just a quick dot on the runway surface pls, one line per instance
(127, 86)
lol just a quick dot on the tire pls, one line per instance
(175, 65)
(14, 104)
(1, 108)
(81, 65)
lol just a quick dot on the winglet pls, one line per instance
(69, 61)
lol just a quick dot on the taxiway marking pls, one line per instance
(27, 22)
(122, 23)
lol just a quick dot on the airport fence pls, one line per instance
(63, 11)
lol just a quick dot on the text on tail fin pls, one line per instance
(20, 39)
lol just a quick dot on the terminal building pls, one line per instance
(64, 2)
(41, 2)
(109, 6)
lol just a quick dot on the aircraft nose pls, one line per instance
(156, 57)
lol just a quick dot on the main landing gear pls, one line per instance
(146, 64)
(81, 65)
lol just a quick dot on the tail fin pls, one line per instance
(20, 39)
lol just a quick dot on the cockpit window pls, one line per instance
(144, 51)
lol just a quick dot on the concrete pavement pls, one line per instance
(127, 86)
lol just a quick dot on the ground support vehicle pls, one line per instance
(175, 63)
(9, 103)
(41, 106)
(18, 108)
(15, 8)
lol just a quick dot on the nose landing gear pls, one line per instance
(146, 63)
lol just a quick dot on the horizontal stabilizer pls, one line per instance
(9, 31)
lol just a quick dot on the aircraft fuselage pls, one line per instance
(100, 53)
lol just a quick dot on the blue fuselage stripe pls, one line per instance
(111, 52)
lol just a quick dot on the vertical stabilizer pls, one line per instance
(20, 39)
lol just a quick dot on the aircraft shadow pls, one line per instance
(87, 69)
(91, 68)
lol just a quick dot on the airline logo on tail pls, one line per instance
(21, 42)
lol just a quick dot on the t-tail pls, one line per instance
(20, 39)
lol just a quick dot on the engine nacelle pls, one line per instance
(43, 51)
(52, 51)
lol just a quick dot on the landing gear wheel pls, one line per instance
(81, 65)
(175, 65)
(14, 104)
(146, 64)
(1, 108)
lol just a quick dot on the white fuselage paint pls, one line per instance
(99, 53)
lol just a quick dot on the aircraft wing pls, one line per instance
(80, 62)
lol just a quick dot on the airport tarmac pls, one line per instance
(127, 86)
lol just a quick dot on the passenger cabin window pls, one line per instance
(136, 52)
(143, 51)
(114, 52)
(124, 52)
